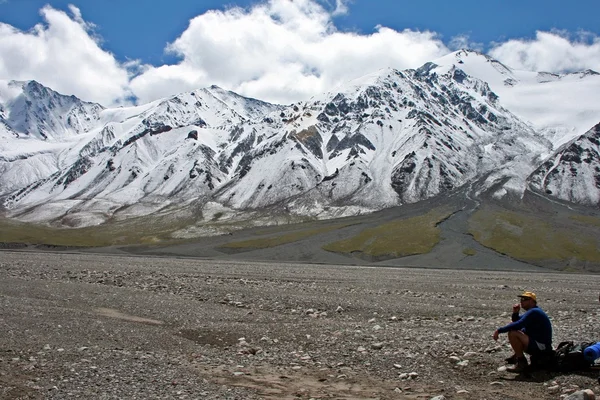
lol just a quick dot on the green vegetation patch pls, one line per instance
(527, 238)
(400, 238)
(586, 219)
(162, 228)
(469, 251)
(141, 230)
(272, 241)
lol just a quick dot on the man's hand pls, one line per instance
(516, 308)
(496, 334)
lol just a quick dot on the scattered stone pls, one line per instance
(581, 395)
(211, 350)
(493, 349)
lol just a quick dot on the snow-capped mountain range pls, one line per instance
(386, 139)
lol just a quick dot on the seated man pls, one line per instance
(530, 333)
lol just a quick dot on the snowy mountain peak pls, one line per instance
(561, 106)
(478, 65)
(31, 109)
(247, 107)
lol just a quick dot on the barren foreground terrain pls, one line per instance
(115, 327)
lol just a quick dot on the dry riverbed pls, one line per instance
(114, 327)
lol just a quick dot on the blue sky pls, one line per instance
(113, 50)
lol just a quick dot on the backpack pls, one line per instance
(568, 356)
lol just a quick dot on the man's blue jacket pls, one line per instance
(535, 323)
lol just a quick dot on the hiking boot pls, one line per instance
(520, 366)
(511, 360)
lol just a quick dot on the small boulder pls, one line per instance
(581, 395)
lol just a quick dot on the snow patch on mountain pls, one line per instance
(390, 138)
(561, 106)
(32, 109)
(573, 172)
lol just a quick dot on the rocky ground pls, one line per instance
(115, 327)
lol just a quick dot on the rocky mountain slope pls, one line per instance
(387, 139)
(40, 112)
(573, 172)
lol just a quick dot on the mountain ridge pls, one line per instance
(387, 139)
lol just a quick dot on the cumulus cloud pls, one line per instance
(64, 55)
(551, 52)
(281, 51)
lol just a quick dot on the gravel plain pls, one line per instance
(91, 326)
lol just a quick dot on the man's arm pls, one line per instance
(517, 325)
(516, 322)
(515, 314)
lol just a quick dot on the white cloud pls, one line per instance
(63, 55)
(464, 42)
(282, 51)
(551, 52)
(341, 7)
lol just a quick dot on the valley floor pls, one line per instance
(110, 326)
